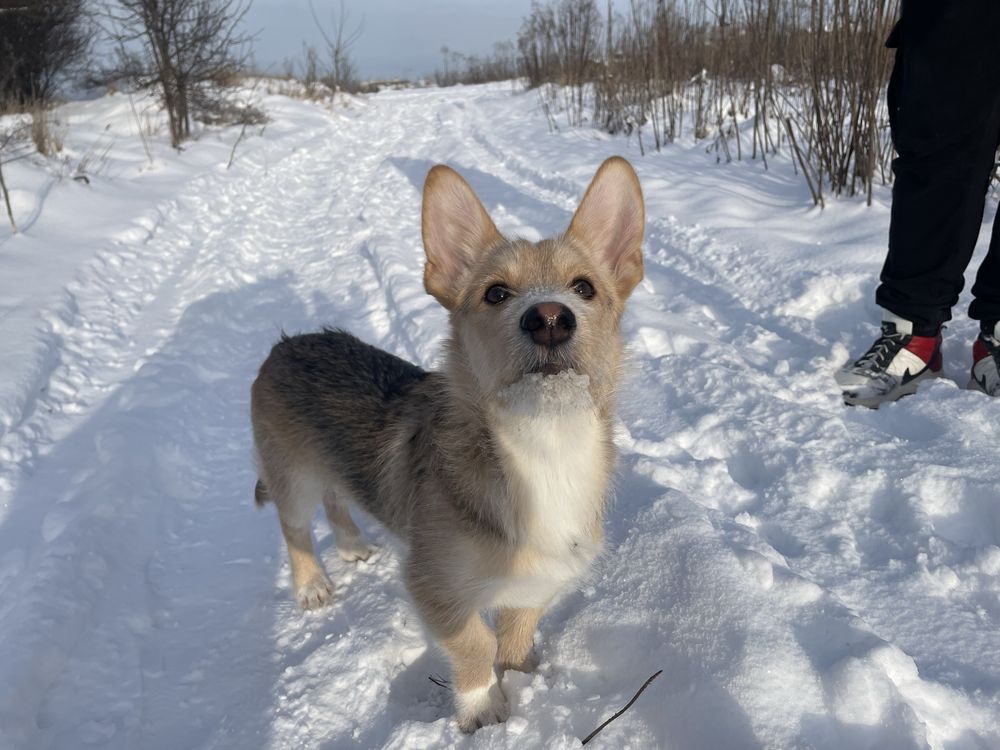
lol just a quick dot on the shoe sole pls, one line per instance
(855, 398)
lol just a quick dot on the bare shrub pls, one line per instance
(40, 41)
(470, 69)
(311, 72)
(220, 106)
(844, 69)
(340, 73)
(560, 42)
(190, 50)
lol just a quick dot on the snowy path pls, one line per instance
(807, 576)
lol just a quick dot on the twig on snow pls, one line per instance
(628, 705)
(439, 681)
(442, 682)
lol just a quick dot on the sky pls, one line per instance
(399, 38)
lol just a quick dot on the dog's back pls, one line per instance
(321, 405)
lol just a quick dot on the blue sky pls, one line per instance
(399, 38)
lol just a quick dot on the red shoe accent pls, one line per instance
(979, 351)
(928, 348)
(937, 362)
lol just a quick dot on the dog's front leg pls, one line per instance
(472, 648)
(515, 633)
(309, 582)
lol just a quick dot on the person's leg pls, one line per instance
(986, 309)
(986, 305)
(944, 106)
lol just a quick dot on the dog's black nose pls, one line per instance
(548, 323)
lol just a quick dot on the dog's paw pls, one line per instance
(354, 550)
(481, 706)
(315, 593)
(527, 665)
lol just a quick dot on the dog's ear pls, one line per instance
(610, 221)
(455, 228)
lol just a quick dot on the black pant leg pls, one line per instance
(944, 106)
(986, 290)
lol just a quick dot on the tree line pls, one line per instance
(752, 78)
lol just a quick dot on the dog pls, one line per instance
(494, 471)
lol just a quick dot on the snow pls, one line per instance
(807, 575)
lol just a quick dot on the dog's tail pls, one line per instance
(260, 494)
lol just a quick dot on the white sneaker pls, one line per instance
(986, 362)
(892, 368)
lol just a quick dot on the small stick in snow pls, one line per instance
(628, 705)
(439, 681)
(442, 682)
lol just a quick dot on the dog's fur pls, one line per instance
(496, 469)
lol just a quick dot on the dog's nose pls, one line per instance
(548, 323)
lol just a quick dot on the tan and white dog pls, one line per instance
(496, 469)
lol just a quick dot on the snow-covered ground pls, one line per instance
(806, 575)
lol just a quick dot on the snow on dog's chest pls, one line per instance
(551, 444)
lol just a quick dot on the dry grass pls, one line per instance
(47, 133)
(812, 69)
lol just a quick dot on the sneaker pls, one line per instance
(986, 362)
(894, 366)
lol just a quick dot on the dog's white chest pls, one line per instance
(554, 455)
(555, 465)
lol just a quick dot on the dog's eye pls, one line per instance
(496, 294)
(584, 288)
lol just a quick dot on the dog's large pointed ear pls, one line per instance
(455, 228)
(610, 222)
